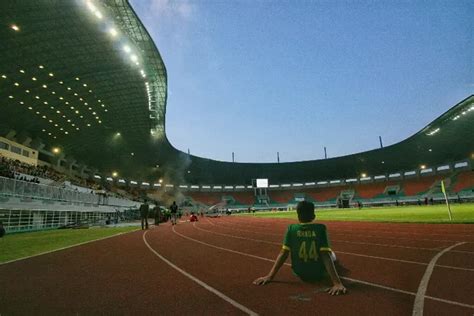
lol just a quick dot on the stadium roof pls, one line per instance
(87, 77)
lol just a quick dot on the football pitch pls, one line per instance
(461, 213)
(22, 245)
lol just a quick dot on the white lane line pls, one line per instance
(201, 283)
(420, 294)
(362, 243)
(465, 233)
(237, 237)
(345, 278)
(337, 252)
(67, 247)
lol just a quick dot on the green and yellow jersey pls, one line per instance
(306, 242)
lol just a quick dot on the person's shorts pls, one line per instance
(312, 278)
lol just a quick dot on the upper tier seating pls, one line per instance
(371, 190)
(419, 186)
(324, 194)
(207, 198)
(464, 181)
(245, 197)
(281, 196)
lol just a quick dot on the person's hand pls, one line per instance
(337, 289)
(263, 280)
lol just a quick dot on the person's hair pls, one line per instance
(305, 211)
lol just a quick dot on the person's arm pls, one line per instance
(280, 260)
(338, 287)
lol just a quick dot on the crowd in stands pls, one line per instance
(15, 169)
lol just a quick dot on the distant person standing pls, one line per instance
(157, 210)
(174, 212)
(2, 230)
(144, 210)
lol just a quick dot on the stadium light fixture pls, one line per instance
(51, 74)
(160, 181)
(127, 49)
(15, 27)
(118, 134)
(423, 167)
(363, 175)
(4, 77)
(56, 150)
(114, 174)
(113, 32)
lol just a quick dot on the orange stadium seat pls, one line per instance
(465, 180)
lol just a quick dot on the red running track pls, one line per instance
(208, 267)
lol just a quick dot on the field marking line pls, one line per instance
(345, 278)
(420, 294)
(66, 247)
(337, 252)
(201, 283)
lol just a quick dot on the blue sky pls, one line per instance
(259, 77)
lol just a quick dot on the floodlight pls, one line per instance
(15, 27)
(127, 49)
(134, 58)
(113, 32)
(56, 150)
(114, 174)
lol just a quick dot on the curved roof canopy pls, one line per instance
(87, 77)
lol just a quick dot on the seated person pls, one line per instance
(193, 218)
(311, 257)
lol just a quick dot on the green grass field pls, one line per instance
(462, 213)
(22, 245)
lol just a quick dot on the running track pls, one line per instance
(207, 268)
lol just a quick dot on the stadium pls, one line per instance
(83, 91)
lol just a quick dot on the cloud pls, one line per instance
(184, 9)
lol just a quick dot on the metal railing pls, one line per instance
(18, 188)
(30, 220)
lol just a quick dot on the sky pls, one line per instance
(257, 77)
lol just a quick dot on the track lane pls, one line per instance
(467, 275)
(416, 255)
(233, 274)
(117, 276)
